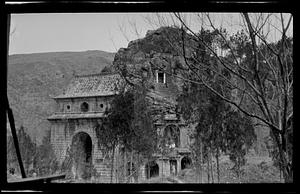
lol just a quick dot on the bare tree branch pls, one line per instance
(228, 45)
(221, 61)
(256, 63)
(236, 105)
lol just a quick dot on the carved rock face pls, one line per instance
(159, 53)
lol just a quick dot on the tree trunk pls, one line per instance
(211, 167)
(208, 171)
(287, 170)
(125, 167)
(138, 168)
(162, 168)
(281, 143)
(238, 172)
(201, 162)
(118, 165)
(200, 171)
(131, 161)
(112, 164)
(197, 166)
(287, 174)
(218, 167)
(148, 170)
(280, 172)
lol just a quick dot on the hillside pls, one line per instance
(34, 78)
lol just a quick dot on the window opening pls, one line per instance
(68, 107)
(84, 107)
(161, 77)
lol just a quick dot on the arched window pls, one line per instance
(151, 170)
(84, 107)
(172, 136)
(186, 162)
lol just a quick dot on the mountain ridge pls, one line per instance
(34, 79)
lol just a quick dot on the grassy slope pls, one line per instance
(34, 78)
(257, 170)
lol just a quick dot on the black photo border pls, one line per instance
(9, 7)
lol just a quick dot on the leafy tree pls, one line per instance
(27, 149)
(256, 64)
(145, 135)
(129, 125)
(218, 129)
(116, 128)
(203, 108)
(209, 112)
(256, 69)
(12, 162)
(239, 135)
(45, 161)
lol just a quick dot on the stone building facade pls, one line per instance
(78, 111)
(80, 108)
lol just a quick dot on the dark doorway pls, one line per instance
(152, 170)
(173, 167)
(81, 150)
(185, 162)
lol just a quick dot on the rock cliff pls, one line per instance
(159, 51)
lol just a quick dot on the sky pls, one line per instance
(55, 32)
(32, 33)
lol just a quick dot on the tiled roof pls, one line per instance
(92, 85)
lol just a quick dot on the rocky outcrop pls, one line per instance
(159, 50)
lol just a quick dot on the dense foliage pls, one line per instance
(128, 124)
(218, 127)
(37, 159)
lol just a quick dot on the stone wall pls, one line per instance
(61, 140)
(63, 131)
(96, 104)
(184, 137)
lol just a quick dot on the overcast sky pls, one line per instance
(35, 33)
(70, 32)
